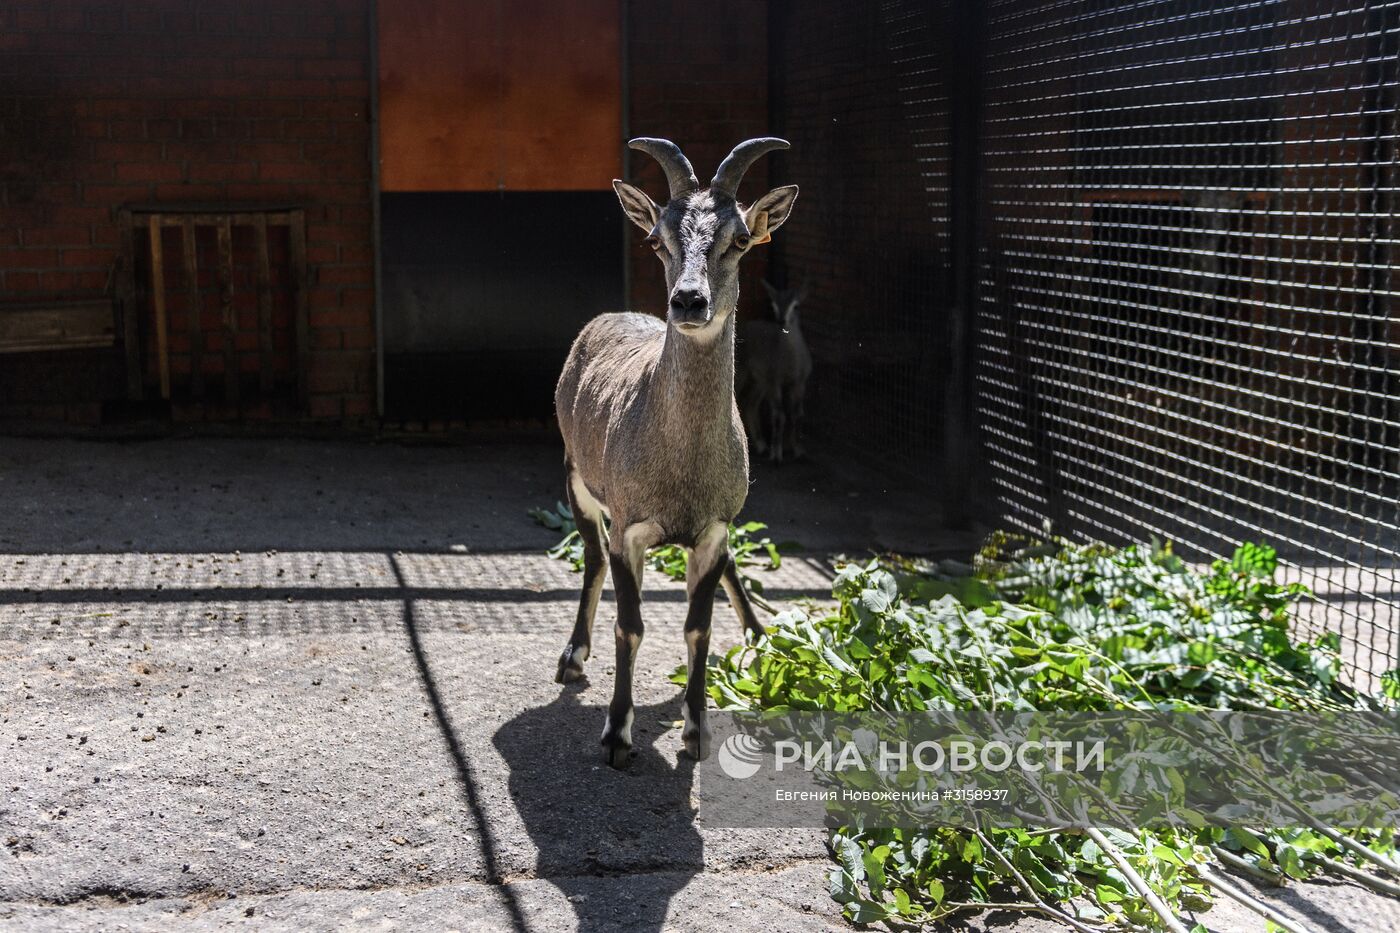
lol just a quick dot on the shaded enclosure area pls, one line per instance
(1122, 269)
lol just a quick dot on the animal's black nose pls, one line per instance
(689, 301)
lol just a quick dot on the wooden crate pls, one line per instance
(149, 221)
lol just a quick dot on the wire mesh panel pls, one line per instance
(1186, 322)
(862, 92)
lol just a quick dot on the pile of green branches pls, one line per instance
(1059, 626)
(749, 550)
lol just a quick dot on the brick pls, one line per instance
(16, 282)
(126, 129)
(108, 195)
(265, 67)
(149, 171)
(344, 275)
(75, 282)
(270, 151)
(358, 406)
(264, 109)
(124, 107)
(286, 171)
(333, 69)
(337, 318)
(87, 258)
(222, 171)
(326, 339)
(127, 151)
(189, 192)
(299, 87)
(57, 236)
(27, 258)
(336, 108)
(326, 406)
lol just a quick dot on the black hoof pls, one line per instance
(616, 754)
(570, 665)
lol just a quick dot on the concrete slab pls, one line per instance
(304, 685)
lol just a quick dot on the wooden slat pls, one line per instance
(297, 230)
(264, 273)
(57, 326)
(158, 296)
(275, 218)
(131, 334)
(196, 328)
(230, 316)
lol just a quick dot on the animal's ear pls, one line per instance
(804, 289)
(637, 204)
(768, 287)
(768, 213)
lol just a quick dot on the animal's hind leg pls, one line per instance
(588, 515)
(739, 599)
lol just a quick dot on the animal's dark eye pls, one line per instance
(653, 241)
(742, 241)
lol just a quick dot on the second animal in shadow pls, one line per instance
(774, 366)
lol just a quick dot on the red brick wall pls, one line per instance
(698, 74)
(105, 103)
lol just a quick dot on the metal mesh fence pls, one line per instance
(862, 92)
(1185, 324)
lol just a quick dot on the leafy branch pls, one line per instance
(748, 551)
(1058, 626)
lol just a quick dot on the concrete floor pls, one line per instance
(308, 685)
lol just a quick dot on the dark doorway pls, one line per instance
(484, 292)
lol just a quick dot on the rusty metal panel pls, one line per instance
(467, 102)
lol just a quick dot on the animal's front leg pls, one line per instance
(776, 429)
(626, 560)
(793, 403)
(707, 565)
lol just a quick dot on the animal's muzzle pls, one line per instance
(690, 307)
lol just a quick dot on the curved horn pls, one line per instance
(679, 174)
(731, 170)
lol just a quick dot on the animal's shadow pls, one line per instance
(589, 821)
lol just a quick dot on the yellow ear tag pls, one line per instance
(762, 236)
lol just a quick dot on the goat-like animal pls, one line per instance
(775, 366)
(652, 436)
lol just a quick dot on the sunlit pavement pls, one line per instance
(294, 685)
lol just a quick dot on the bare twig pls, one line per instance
(1138, 883)
(1026, 888)
(1360, 877)
(1234, 861)
(1346, 842)
(1244, 900)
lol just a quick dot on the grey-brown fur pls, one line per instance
(774, 369)
(652, 435)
